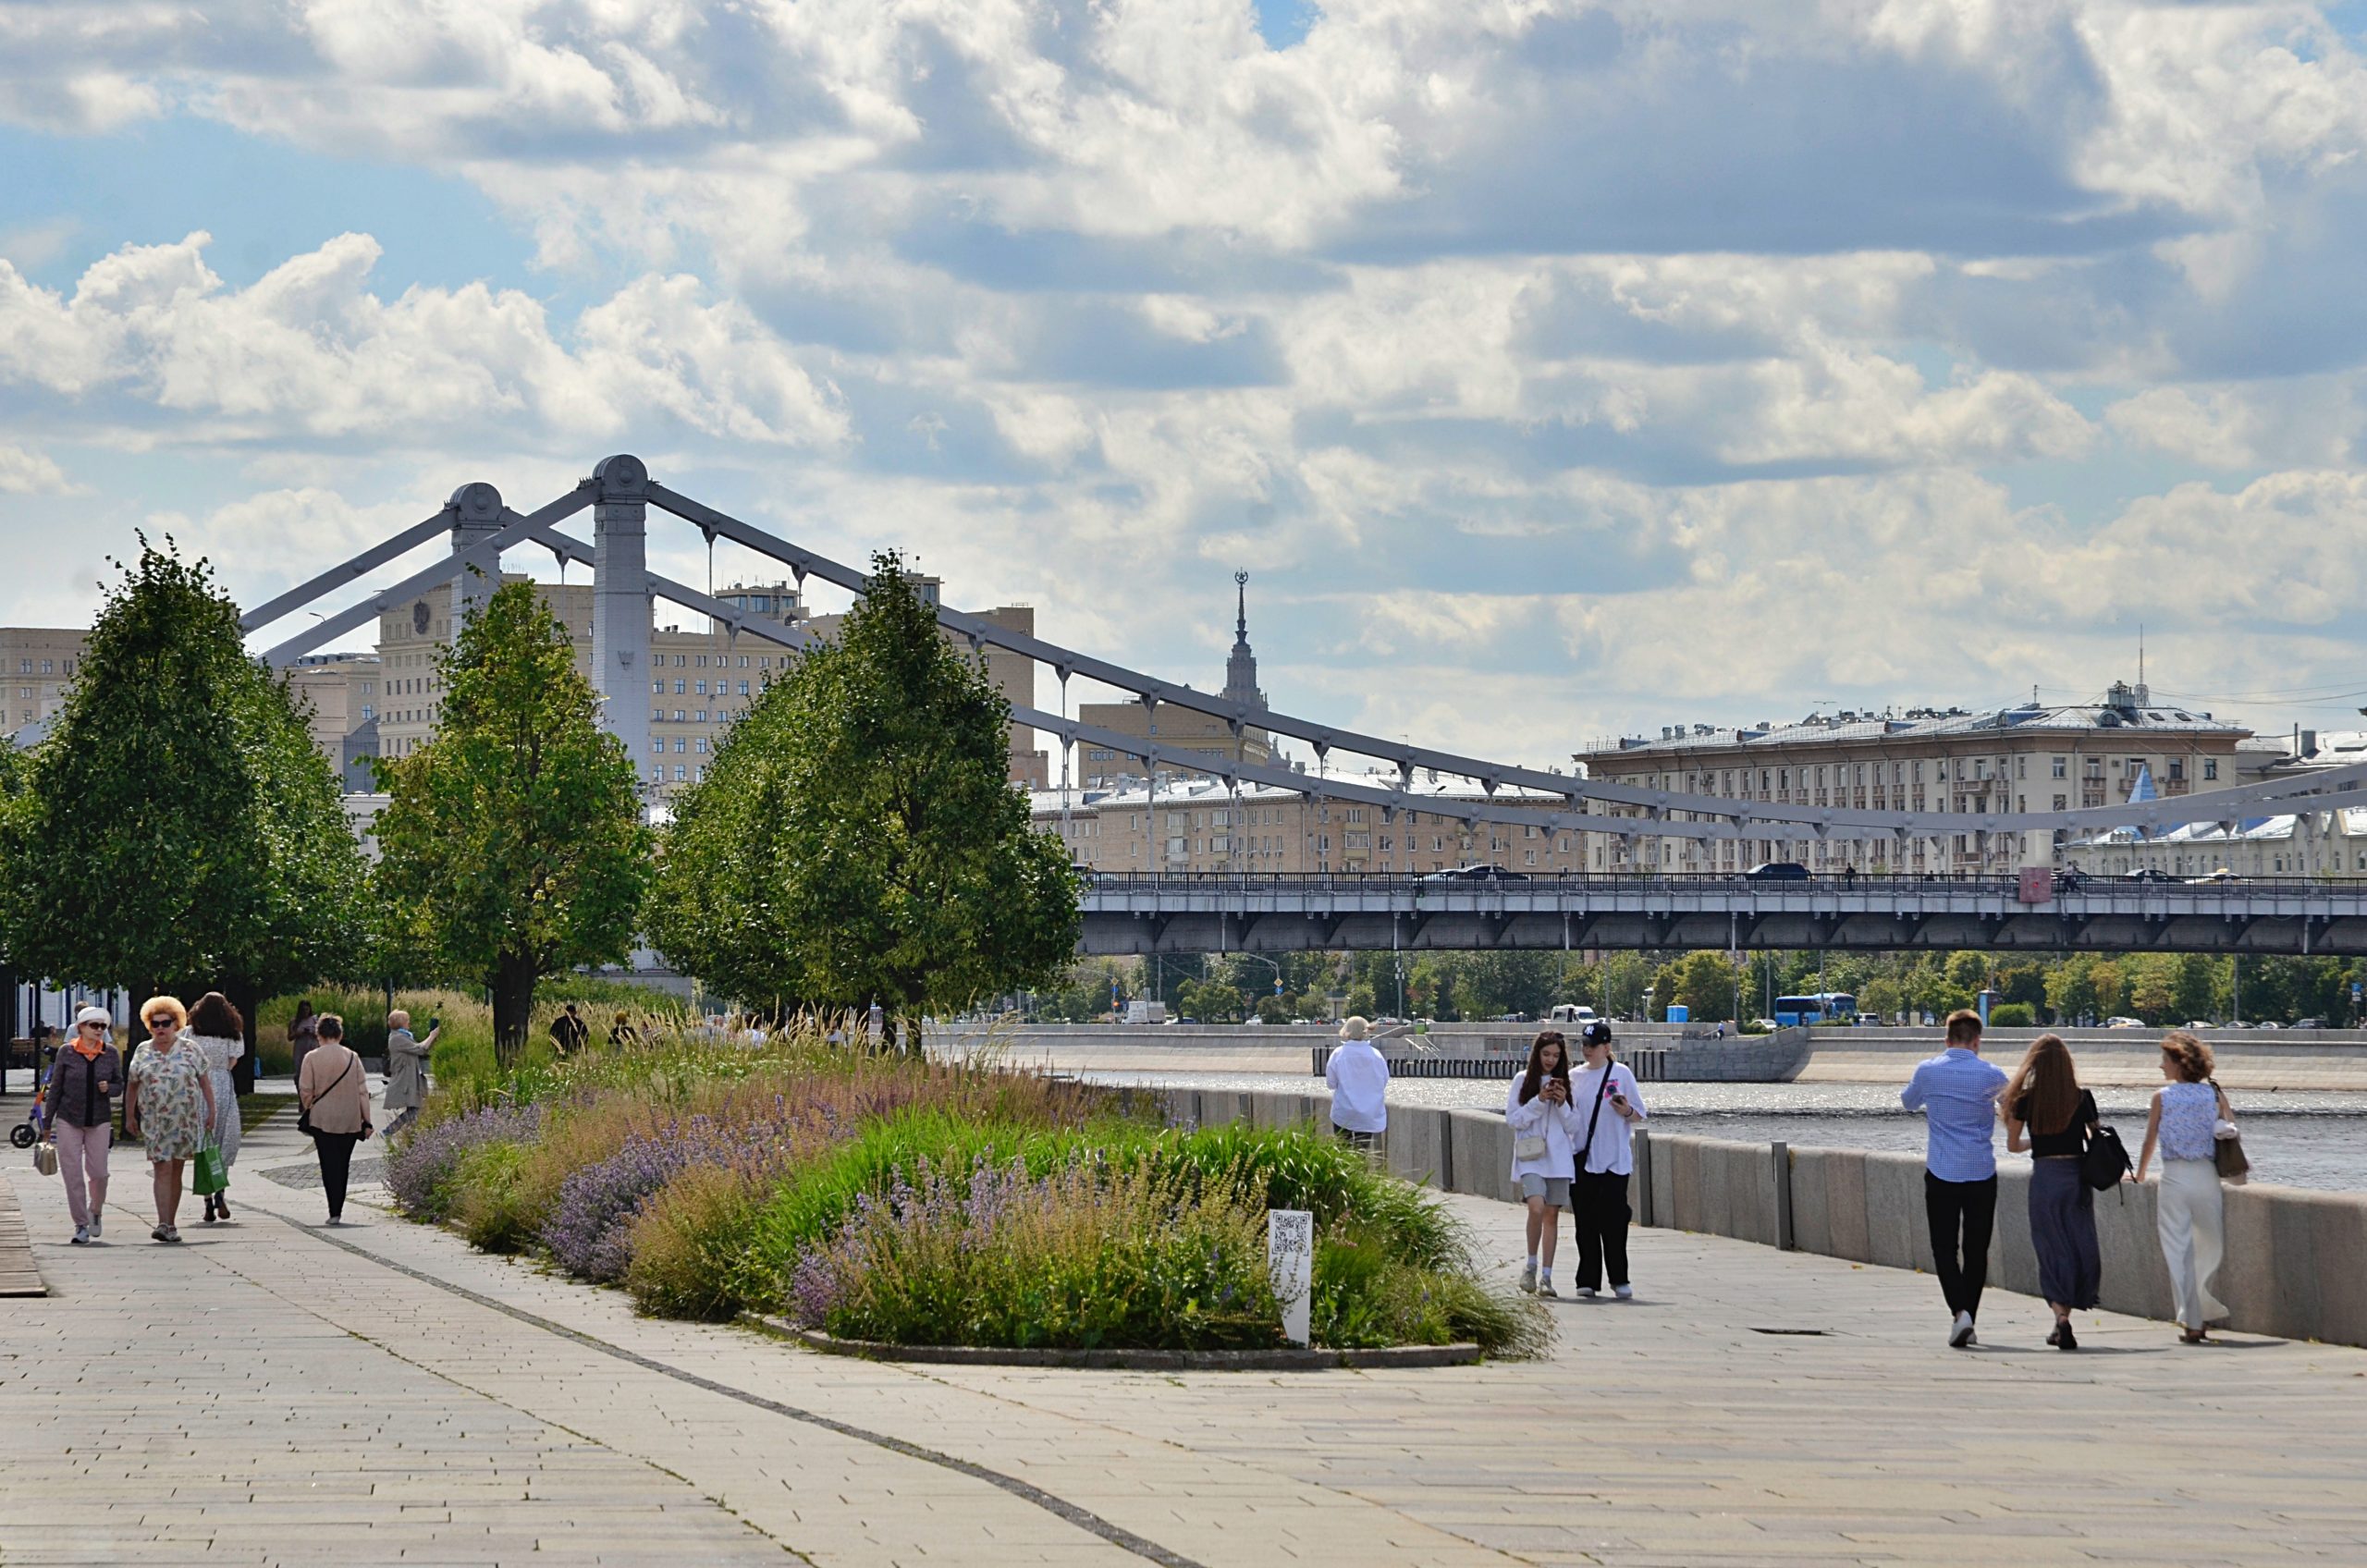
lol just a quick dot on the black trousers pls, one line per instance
(1962, 1212)
(1598, 1210)
(336, 1150)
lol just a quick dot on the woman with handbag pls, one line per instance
(1543, 1125)
(333, 1098)
(220, 1034)
(1606, 1107)
(168, 1106)
(2190, 1211)
(2048, 1114)
(79, 1116)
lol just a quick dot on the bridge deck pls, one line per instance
(1286, 913)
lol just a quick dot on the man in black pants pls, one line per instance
(1958, 1092)
(1609, 1105)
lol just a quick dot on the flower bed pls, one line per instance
(922, 1204)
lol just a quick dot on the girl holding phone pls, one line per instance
(1606, 1105)
(1544, 1133)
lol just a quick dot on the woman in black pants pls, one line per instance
(335, 1095)
(1608, 1106)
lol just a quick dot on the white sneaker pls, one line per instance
(1545, 1287)
(95, 1215)
(1624, 1292)
(1528, 1279)
(82, 1236)
(1587, 1291)
(1960, 1332)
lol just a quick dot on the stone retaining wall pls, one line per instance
(2296, 1264)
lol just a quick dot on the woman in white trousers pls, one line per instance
(2190, 1208)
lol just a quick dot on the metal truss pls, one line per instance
(482, 529)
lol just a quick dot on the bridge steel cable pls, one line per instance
(1664, 813)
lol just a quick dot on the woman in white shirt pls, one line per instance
(1605, 1107)
(1544, 1135)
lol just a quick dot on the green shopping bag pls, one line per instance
(212, 1173)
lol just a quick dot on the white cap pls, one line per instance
(93, 1015)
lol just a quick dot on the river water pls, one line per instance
(2295, 1138)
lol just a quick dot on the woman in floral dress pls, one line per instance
(168, 1106)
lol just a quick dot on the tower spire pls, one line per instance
(1241, 606)
(1241, 670)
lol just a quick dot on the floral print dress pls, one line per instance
(172, 1104)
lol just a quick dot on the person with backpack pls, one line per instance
(1606, 1104)
(333, 1096)
(1544, 1127)
(2049, 1115)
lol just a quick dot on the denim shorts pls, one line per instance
(1554, 1190)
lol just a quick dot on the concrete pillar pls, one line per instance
(476, 517)
(620, 666)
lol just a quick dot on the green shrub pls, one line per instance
(1363, 1295)
(689, 1243)
(485, 1194)
(2013, 1015)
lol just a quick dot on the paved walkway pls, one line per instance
(270, 1393)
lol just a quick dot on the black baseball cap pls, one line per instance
(1595, 1034)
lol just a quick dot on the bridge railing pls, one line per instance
(1918, 882)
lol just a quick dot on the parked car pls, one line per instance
(2124, 1023)
(2148, 874)
(1777, 871)
(1572, 1013)
(2268, 1024)
(2222, 874)
(2309, 1024)
(2201, 1023)
(1476, 873)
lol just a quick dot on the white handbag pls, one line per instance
(45, 1158)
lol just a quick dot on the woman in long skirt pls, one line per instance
(216, 1029)
(2048, 1114)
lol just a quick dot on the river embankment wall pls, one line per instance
(2296, 1264)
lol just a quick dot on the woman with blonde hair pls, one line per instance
(2191, 1212)
(169, 1104)
(2048, 1114)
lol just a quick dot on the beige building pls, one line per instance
(1202, 825)
(2031, 758)
(39, 664)
(1181, 729)
(700, 680)
(339, 692)
(2316, 846)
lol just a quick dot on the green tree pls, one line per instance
(857, 837)
(1703, 983)
(515, 834)
(179, 830)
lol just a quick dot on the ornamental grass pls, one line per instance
(927, 1202)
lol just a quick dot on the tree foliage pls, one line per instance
(178, 829)
(857, 837)
(513, 846)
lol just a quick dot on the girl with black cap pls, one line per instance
(1606, 1100)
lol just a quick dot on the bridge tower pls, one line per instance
(620, 605)
(475, 511)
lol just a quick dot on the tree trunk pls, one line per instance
(244, 996)
(513, 1007)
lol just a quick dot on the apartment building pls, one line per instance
(38, 662)
(2028, 759)
(1193, 823)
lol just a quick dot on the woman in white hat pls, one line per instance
(79, 1116)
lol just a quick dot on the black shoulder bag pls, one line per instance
(2105, 1160)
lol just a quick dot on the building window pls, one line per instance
(2177, 767)
(2062, 802)
(679, 688)
(681, 773)
(744, 685)
(700, 686)
(658, 687)
(47, 667)
(681, 744)
(2062, 767)
(658, 743)
(2211, 767)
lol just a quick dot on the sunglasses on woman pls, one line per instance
(162, 1021)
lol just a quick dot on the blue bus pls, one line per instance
(1824, 1007)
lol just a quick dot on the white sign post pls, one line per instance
(1289, 1258)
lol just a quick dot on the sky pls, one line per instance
(1558, 369)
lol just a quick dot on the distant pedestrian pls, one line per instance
(2050, 1116)
(215, 1028)
(1359, 1079)
(407, 1068)
(569, 1032)
(169, 1104)
(1958, 1092)
(79, 1116)
(1544, 1130)
(2190, 1208)
(622, 1033)
(1604, 1099)
(334, 1095)
(304, 1033)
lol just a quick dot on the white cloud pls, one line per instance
(24, 472)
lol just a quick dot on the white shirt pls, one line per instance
(1359, 1079)
(1559, 1125)
(1611, 1150)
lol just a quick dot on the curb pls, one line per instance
(1382, 1358)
